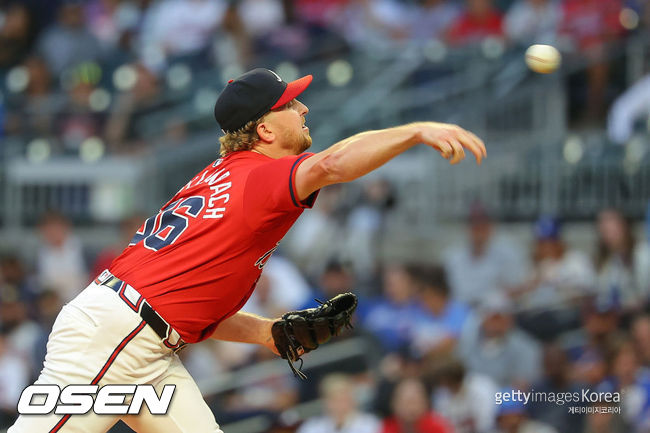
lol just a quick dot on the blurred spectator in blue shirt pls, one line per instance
(68, 42)
(513, 418)
(431, 19)
(391, 317)
(438, 324)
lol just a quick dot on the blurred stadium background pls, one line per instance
(530, 272)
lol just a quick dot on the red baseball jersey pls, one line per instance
(197, 261)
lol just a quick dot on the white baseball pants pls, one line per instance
(97, 339)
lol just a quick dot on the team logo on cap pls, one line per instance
(276, 75)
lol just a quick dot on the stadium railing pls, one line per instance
(521, 116)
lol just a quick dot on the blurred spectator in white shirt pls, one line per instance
(364, 227)
(368, 24)
(533, 21)
(560, 276)
(487, 262)
(494, 346)
(22, 333)
(260, 17)
(465, 399)
(68, 42)
(13, 379)
(179, 28)
(630, 107)
(283, 289)
(316, 236)
(342, 414)
(560, 279)
(60, 264)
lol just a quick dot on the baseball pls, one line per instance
(543, 59)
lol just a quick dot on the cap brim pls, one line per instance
(293, 89)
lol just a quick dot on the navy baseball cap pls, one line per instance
(511, 407)
(252, 95)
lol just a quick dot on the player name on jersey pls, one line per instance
(219, 197)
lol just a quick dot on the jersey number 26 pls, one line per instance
(164, 228)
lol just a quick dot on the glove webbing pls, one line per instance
(293, 353)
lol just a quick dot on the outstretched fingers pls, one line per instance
(473, 144)
(445, 149)
(458, 151)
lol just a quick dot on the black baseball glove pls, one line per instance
(302, 331)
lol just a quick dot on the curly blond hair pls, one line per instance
(242, 139)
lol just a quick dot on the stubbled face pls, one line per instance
(288, 126)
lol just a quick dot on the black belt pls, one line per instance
(148, 314)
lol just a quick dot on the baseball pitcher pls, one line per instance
(190, 268)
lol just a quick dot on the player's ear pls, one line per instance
(265, 133)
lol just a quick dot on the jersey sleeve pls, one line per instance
(271, 189)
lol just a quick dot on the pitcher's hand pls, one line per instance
(450, 140)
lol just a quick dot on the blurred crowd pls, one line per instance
(439, 339)
(73, 70)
